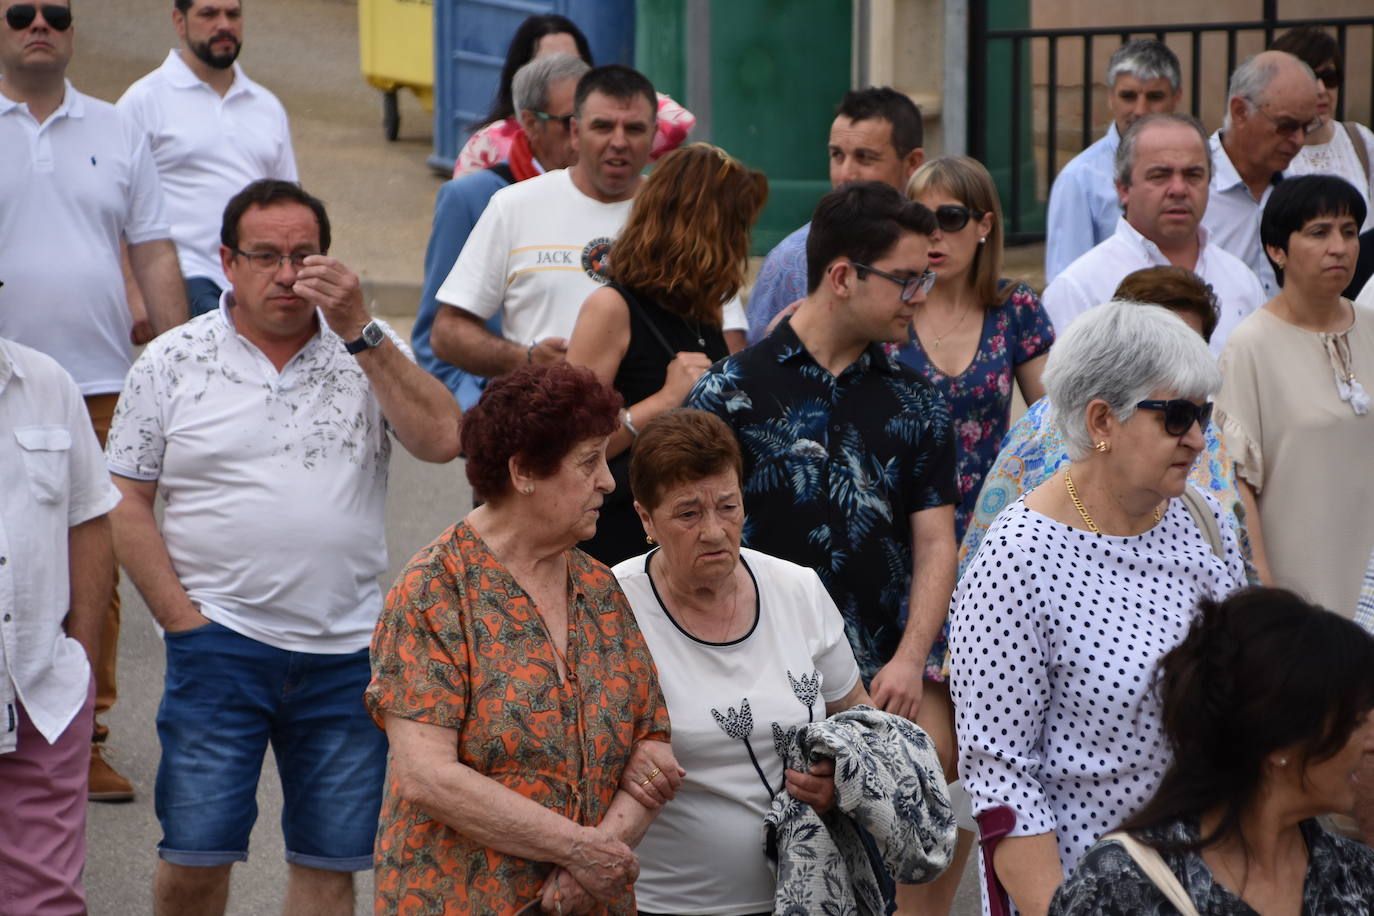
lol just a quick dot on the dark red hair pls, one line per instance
(536, 414)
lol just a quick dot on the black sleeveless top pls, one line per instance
(656, 336)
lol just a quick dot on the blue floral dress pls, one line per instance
(979, 398)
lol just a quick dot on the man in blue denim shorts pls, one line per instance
(264, 426)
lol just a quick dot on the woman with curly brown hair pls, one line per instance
(656, 327)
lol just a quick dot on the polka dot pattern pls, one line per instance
(1054, 638)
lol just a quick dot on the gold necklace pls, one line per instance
(1078, 504)
(939, 338)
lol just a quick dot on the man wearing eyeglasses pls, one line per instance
(267, 426)
(1271, 107)
(212, 131)
(848, 454)
(877, 135)
(77, 183)
(543, 95)
(1162, 173)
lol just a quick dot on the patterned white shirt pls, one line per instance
(274, 482)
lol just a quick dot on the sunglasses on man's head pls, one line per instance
(1180, 414)
(953, 217)
(21, 16)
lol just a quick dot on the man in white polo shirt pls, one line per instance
(56, 570)
(1162, 174)
(212, 131)
(540, 247)
(266, 428)
(77, 181)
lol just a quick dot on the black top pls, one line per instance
(656, 336)
(834, 467)
(1340, 878)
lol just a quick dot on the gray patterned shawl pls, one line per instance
(888, 782)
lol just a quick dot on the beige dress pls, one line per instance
(1306, 451)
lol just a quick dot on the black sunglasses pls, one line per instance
(1180, 414)
(565, 120)
(953, 217)
(21, 16)
(1330, 77)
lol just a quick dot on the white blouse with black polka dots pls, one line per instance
(1054, 638)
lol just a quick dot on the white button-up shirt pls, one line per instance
(274, 481)
(1084, 205)
(207, 149)
(1233, 217)
(1093, 278)
(54, 479)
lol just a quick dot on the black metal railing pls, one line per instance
(1024, 223)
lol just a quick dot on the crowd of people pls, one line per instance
(767, 601)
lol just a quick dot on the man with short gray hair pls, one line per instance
(1142, 78)
(1271, 109)
(1162, 170)
(543, 93)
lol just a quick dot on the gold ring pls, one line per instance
(650, 778)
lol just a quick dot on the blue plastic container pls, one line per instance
(470, 42)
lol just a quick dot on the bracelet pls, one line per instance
(529, 354)
(627, 421)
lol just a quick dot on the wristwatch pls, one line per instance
(373, 335)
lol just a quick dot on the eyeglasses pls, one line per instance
(1288, 126)
(21, 16)
(1331, 77)
(911, 286)
(266, 262)
(565, 120)
(1180, 414)
(953, 217)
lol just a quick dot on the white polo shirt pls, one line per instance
(274, 482)
(207, 149)
(54, 478)
(537, 252)
(70, 189)
(1093, 278)
(1233, 217)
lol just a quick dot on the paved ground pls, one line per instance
(380, 197)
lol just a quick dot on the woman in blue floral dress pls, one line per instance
(976, 330)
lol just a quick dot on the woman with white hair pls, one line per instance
(1079, 588)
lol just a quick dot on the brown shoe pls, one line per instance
(106, 784)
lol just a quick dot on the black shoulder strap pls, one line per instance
(633, 305)
(503, 169)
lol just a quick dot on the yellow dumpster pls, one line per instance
(396, 43)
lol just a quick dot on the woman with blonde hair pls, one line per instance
(977, 331)
(656, 327)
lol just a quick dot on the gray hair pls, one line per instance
(530, 86)
(1251, 80)
(1124, 162)
(1121, 353)
(1146, 59)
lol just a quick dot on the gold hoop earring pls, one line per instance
(649, 539)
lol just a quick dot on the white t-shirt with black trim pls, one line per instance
(731, 705)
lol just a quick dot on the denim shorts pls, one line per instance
(226, 698)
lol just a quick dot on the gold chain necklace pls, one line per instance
(939, 338)
(1078, 504)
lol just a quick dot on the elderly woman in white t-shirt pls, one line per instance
(748, 647)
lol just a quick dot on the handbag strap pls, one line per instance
(1361, 151)
(1151, 864)
(633, 305)
(1202, 515)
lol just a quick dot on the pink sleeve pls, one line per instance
(486, 147)
(674, 123)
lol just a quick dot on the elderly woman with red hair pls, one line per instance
(512, 680)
